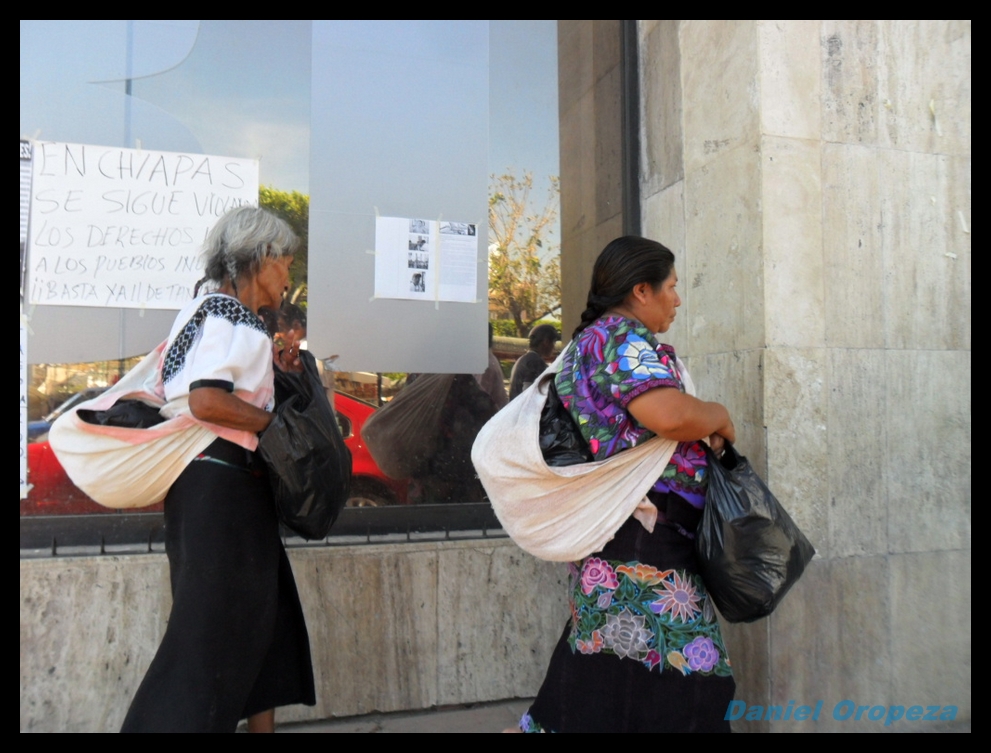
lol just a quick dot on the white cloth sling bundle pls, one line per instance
(563, 514)
(125, 468)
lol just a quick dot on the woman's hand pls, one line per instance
(285, 352)
(718, 440)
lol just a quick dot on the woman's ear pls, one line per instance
(641, 291)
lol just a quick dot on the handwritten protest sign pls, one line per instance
(125, 227)
(25, 204)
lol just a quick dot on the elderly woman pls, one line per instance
(236, 644)
(642, 651)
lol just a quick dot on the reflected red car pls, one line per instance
(369, 486)
(52, 493)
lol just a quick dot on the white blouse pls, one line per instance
(217, 341)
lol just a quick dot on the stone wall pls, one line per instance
(591, 145)
(813, 178)
(392, 627)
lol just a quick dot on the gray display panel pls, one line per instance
(399, 125)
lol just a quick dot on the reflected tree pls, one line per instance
(294, 208)
(524, 266)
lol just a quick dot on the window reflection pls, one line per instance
(52, 390)
(243, 88)
(238, 88)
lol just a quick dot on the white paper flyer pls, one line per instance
(426, 260)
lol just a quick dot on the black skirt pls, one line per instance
(236, 641)
(642, 651)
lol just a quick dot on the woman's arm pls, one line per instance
(217, 406)
(674, 415)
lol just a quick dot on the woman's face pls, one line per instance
(661, 304)
(272, 281)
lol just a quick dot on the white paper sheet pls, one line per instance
(425, 260)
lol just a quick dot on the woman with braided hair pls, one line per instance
(642, 651)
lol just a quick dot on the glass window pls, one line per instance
(480, 121)
(232, 88)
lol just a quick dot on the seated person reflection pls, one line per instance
(534, 362)
(491, 380)
(293, 319)
(448, 474)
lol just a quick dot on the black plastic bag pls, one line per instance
(130, 414)
(750, 552)
(561, 441)
(407, 432)
(309, 466)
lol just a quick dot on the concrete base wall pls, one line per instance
(392, 627)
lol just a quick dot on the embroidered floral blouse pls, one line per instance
(611, 362)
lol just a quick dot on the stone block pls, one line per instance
(795, 410)
(925, 86)
(790, 78)
(576, 269)
(957, 182)
(608, 122)
(747, 645)
(725, 260)
(645, 27)
(606, 47)
(737, 381)
(577, 164)
(605, 231)
(576, 199)
(660, 103)
(830, 640)
(719, 82)
(663, 219)
(849, 52)
(89, 629)
(930, 598)
(574, 69)
(372, 617)
(577, 258)
(791, 207)
(500, 614)
(928, 449)
(853, 265)
(925, 241)
(858, 432)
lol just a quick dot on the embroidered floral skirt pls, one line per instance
(642, 651)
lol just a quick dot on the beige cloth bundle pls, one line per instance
(126, 468)
(563, 513)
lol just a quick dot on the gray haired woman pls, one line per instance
(236, 644)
